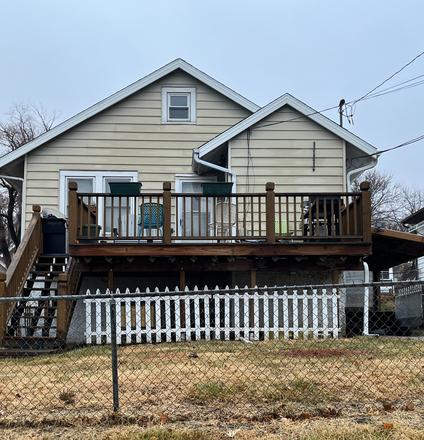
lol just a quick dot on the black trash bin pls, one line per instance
(54, 235)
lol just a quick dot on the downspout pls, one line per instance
(358, 170)
(216, 167)
(366, 299)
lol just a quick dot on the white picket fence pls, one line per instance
(230, 314)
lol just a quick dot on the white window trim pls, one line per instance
(98, 178)
(191, 92)
(180, 178)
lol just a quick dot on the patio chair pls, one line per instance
(224, 219)
(151, 217)
(282, 230)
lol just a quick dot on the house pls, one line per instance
(415, 223)
(288, 218)
(409, 300)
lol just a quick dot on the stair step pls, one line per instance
(38, 327)
(41, 289)
(35, 308)
(44, 272)
(40, 273)
(61, 257)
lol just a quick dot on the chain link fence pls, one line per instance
(249, 351)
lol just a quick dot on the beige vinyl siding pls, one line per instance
(130, 136)
(280, 150)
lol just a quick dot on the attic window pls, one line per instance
(178, 105)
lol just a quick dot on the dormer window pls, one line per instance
(178, 105)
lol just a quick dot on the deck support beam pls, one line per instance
(182, 280)
(110, 283)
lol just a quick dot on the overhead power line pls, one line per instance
(378, 153)
(368, 95)
(412, 141)
(392, 89)
(388, 79)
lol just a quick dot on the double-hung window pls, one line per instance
(179, 105)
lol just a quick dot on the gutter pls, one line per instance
(215, 167)
(12, 178)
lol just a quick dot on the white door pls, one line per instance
(193, 218)
(98, 182)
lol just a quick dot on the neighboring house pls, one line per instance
(410, 299)
(415, 223)
(181, 126)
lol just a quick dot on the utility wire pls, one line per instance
(398, 88)
(404, 144)
(388, 79)
(392, 89)
(368, 95)
(412, 141)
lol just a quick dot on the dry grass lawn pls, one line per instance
(211, 389)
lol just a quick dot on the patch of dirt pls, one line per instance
(168, 356)
(322, 352)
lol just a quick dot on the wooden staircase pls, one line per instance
(31, 329)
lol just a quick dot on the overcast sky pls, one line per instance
(70, 54)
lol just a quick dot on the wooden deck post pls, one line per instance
(366, 212)
(167, 212)
(270, 212)
(62, 309)
(36, 214)
(4, 307)
(73, 213)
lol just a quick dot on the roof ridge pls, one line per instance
(123, 93)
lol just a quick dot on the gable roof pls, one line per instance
(415, 218)
(275, 105)
(124, 93)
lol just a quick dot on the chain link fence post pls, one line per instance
(112, 304)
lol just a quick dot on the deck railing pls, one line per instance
(249, 217)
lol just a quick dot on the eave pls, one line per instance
(275, 105)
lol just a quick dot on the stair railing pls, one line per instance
(13, 282)
(67, 285)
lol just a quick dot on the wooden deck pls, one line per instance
(315, 231)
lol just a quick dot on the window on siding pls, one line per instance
(98, 182)
(178, 105)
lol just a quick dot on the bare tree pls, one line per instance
(23, 124)
(391, 202)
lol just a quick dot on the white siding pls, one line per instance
(130, 136)
(279, 149)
